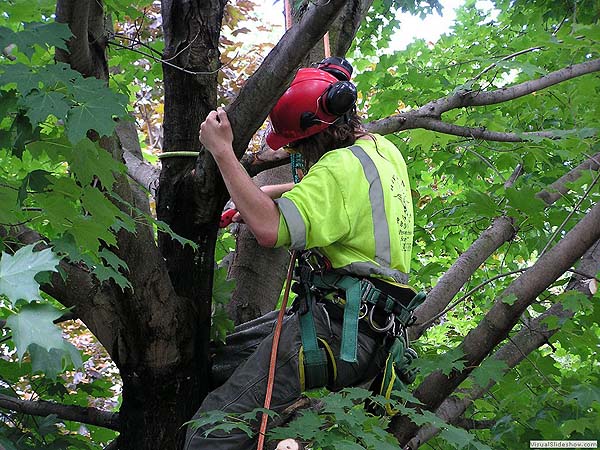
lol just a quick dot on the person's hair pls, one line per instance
(342, 133)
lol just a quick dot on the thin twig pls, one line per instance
(184, 48)
(487, 162)
(138, 42)
(507, 57)
(154, 58)
(468, 294)
(560, 228)
(535, 367)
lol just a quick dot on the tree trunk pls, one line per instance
(258, 271)
(189, 204)
(157, 332)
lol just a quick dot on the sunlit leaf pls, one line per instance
(17, 272)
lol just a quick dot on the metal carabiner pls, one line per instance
(361, 314)
(375, 327)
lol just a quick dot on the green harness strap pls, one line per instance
(315, 358)
(352, 289)
(349, 346)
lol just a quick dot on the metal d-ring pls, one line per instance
(375, 327)
(364, 310)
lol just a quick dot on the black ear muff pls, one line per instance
(340, 98)
(308, 119)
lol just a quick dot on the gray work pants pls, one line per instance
(245, 389)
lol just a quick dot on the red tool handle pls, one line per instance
(227, 217)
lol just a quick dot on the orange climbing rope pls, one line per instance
(275, 346)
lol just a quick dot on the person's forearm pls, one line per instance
(276, 190)
(257, 208)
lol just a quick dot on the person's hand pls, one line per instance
(216, 134)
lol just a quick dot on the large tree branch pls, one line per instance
(89, 415)
(265, 86)
(498, 322)
(435, 109)
(142, 172)
(532, 336)
(426, 117)
(528, 87)
(559, 188)
(434, 124)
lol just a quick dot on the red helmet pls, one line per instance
(315, 100)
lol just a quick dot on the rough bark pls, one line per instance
(148, 330)
(87, 47)
(191, 33)
(498, 322)
(191, 193)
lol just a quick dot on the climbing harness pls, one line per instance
(384, 314)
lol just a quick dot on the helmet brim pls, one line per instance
(276, 141)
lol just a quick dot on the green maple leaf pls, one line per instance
(36, 181)
(89, 234)
(306, 427)
(222, 287)
(98, 105)
(51, 34)
(491, 369)
(17, 272)
(481, 203)
(348, 445)
(60, 74)
(80, 120)
(104, 273)
(585, 395)
(8, 102)
(88, 160)
(41, 104)
(25, 79)
(227, 427)
(53, 361)
(525, 199)
(457, 437)
(34, 325)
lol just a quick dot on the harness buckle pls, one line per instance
(364, 310)
(375, 326)
(315, 261)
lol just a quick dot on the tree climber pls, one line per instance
(351, 216)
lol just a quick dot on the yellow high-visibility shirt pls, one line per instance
(355, 206)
